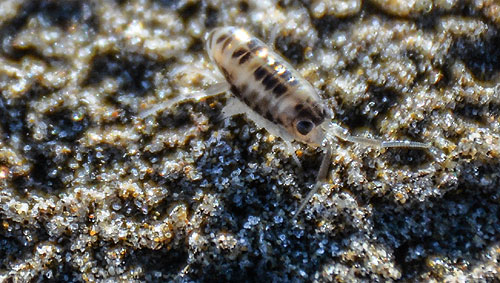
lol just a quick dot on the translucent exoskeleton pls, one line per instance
(274, 95)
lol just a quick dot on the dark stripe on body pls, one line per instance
(235, 91)
(242, 93)
(210, 38)
(269, 116)
(280, 89)
(226, 42)
(250, 100)
(314, 113)
(260, 72)
(226, 74)
(269, 82)
(262, 105)
(245, 57)
(239, 52)
(247, 101)
(221, 38)
(243, 89)
(279, 83)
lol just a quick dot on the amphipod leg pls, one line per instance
(233, 107)
(274, 35)
(219, 87)
(213, 90)
(291, 150)
(344, 135)
(322, 173)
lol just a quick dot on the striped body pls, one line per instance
(269, 85)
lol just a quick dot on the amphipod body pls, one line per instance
(273, 94)
(270, 86)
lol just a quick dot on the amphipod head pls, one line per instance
(308, 123)
(308, 132)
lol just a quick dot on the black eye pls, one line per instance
(304, 127)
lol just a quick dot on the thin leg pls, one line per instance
(233, 107)
(322, 173)
(274, 34)
(344, 135)
(291, 150)
(213, 90)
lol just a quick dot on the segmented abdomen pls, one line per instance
(262, 79)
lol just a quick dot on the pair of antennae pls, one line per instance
(335, 130)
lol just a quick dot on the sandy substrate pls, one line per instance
(92, 191)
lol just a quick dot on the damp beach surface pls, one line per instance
(92, 191)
